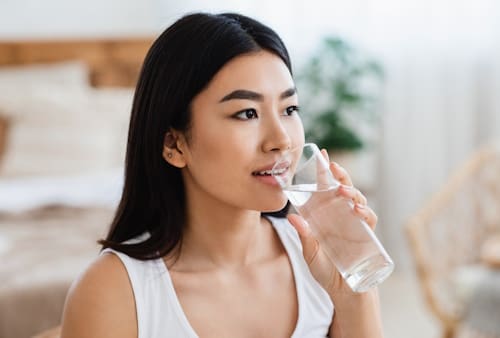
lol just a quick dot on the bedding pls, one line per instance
(97, 189)
(42, 251)
(49, 227)
(56, 130)
(61, 172)
(61, 175)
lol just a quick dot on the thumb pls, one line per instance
(310, 245)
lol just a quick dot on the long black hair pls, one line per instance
(179, 65)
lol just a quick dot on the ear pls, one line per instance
(173, 143)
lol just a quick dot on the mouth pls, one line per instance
(271, 172)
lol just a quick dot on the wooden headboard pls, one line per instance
(112, 62)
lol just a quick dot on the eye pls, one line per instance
(246, 114)
(291, 110)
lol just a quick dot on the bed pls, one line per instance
(64, 110)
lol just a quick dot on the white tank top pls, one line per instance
(160, 315)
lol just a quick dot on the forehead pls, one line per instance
(261, 71)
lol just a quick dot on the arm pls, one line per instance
(100, 303)
(356, 315)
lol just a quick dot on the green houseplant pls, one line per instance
(340, 86)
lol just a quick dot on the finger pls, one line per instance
(320, 266)
(323, 171)
(352, 193)
(310, 245)
(340, 173)
(325, 155)
(367, 214)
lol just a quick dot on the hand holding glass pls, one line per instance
(346, 239)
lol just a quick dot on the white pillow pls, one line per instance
(98, 189)
(70, 73)
(56, 130)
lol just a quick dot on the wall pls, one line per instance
(58, 18)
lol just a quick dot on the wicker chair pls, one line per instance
(446, 235)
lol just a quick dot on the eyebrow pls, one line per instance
(243, 94)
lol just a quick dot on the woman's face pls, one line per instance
(241, 123)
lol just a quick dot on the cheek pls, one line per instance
(296, 132)
(216, 157)
(218, 146)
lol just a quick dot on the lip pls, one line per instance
(271, 179)
(284, 164)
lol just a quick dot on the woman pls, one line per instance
(197, 247)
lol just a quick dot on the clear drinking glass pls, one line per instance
(346, 239)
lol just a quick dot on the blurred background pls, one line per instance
(404, 94)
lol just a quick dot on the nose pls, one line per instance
(276, 136)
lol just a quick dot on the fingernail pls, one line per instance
(343, 190)
(360, 206)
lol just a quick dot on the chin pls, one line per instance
(275, 205)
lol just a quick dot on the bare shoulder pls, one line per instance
(100, 303)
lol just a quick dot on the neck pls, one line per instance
(220, 236)
(229, 240)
